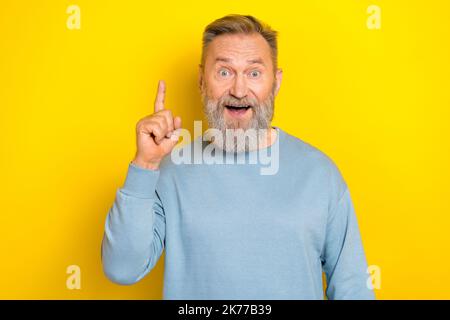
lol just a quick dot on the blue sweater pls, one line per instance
(230, 232)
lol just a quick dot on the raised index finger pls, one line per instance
(160, 95)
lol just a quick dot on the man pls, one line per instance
(230, 232)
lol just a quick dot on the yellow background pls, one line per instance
(376, 101)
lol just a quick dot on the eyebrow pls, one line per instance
(251, 61)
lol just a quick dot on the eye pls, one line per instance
(224, 73)
(255, 74)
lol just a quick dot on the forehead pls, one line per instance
(239, 47)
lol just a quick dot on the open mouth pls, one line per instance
(237, 111)
(236, 108)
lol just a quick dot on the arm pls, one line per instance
(343, 258)
(134, 234)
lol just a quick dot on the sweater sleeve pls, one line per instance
(134, 235)
(343, 259)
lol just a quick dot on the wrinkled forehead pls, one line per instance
(239, 49)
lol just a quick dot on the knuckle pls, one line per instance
(142, 122)
(139, 125)
(161, 123)
(156, 125)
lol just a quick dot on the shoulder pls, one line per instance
(316, 163)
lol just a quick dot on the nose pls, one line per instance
(239, 87)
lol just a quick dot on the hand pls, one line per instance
(156, 134)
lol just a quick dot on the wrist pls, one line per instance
(145, 164)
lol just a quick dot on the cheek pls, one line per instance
(262, 90)
(216, 90)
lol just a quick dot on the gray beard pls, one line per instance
(249, 136)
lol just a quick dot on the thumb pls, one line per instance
(177, 122)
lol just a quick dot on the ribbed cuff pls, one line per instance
(141, 182)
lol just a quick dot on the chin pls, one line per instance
(233, 123)
(237, 124)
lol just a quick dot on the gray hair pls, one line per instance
(235, 24)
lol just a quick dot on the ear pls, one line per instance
(278, 78)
